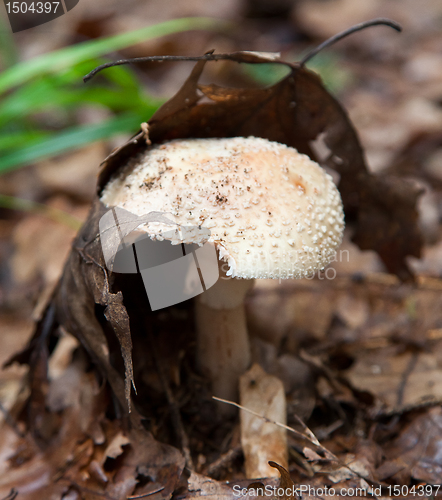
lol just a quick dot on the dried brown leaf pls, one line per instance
(115, 447)
(397, 379)
(417, 451)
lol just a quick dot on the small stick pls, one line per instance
(313, 441)
(144, 495)
(358, 27)
(309, 433)
(254, 57)
(209, 56)
(297, 433)
(404, 378)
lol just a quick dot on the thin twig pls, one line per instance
(350, 31)
(254, 57)
(422, 405)
(144, 495)
(309, 433)
(210, 56)
(313, 441)
(326, 431)
(85, 489)
(283, 426)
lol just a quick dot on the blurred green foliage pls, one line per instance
(327, 65)
(40, 98)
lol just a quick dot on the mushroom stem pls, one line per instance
(223, 350)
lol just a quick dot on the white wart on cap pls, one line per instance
(272, 212)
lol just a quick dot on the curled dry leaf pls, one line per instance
(285, 482)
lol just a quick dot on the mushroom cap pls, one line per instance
(272, 212)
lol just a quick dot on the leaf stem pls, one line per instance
(357, 27)
(241, 56)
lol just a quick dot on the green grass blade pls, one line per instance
(58, 90)
(14, 140)
(65, 58)
(70, 139)
(8, 50)
(21, 103)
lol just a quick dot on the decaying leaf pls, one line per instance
(82, 447)
(416, 452)
(285, 481)
(399, 379)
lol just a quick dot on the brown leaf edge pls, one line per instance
(285, 481)
(84, 285)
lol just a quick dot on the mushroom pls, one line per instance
(272, 213)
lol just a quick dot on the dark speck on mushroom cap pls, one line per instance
(272, 212)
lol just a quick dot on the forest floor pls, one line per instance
(359, 352)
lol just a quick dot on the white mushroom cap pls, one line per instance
(272, 212)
